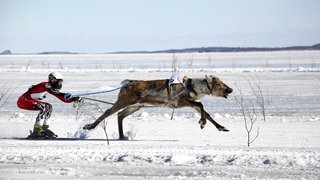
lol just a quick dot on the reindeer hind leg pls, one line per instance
(123, 114)
(116, 107)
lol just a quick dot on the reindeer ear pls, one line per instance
(214, 78)
(208, 78)
(185, 78)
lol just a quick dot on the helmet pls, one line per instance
(55, 80)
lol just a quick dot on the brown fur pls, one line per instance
(136, 94)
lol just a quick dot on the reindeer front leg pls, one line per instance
(218, 126)
(199, 107)
(203, 120)
(204, 116)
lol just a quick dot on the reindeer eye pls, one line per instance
(217, 85)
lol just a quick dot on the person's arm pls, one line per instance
(58, 94)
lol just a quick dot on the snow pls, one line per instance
(288, 145)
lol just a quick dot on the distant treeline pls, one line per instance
(200, 50)
(229, 49)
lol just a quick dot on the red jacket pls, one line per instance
(40, 91)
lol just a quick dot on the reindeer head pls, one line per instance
(217, 87)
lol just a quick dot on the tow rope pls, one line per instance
(68, 96)
(97, 100)
(101, 92)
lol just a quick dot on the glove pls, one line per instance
(78, 101)
(67, 96)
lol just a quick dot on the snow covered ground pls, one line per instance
(288, 145)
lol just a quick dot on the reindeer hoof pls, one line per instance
(88, 126)
(223, 129)
(202, 123)
(123, 138)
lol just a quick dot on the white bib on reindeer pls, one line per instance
(174, 80)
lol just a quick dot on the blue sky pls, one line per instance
(98, 26)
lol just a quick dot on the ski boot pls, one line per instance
(42, 133)
(37, 133)
(48, 133)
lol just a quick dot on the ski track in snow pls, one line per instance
(288, 145)
(134, 158)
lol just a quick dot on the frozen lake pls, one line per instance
(159, 148)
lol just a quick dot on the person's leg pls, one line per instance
(45, 125)
(44, 114)
(43, 119)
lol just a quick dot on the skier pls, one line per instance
(31, 100)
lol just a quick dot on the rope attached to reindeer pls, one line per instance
(69, 96)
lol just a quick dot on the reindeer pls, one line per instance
(136, 94)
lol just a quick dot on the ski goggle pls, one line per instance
(56, 83)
